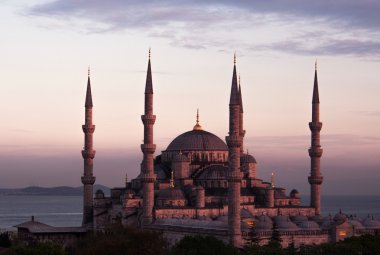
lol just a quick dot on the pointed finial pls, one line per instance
(316, 64)
(126, 179)
(247, 152)
(235, 58)
(272, 180)
(197, 125)
(149, 52)
(88, 71)
(172, 180)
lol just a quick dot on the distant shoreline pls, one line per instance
(51, 191)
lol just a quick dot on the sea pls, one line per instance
(64, 211)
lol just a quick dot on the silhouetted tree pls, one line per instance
(47, 248)
(119, 240)
(5, 240)
(202, 245)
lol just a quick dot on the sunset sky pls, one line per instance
(47, 46)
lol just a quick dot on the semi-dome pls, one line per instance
(213, 172)
(310, 225)
(356, 224)
(298, 219)
(294, 194)
(340, 218)
(265, 218)
(247, 158)
(171, 193)
(197, 140)
(370, 222)
(286, 225)
(264, 225)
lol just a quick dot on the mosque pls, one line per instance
(203, 185)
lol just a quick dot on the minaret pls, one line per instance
(148, 148)
(88, 155)
(241, 119)
(234, 176)
(315, 150)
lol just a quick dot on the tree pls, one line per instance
(5, 240)
(276, 236)
(202, 245)
(119, 240)
(47, 248)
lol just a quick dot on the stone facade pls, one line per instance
(201, 185)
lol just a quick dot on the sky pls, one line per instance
(47, 46)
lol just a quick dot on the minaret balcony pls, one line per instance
(88, 128)
(315, 152)
(315, 180)
(234, 176)
(88, 179)
(148, 148)
(148, 119)
(233, 141)
(315, 126)
(88, 154)
(148, 177)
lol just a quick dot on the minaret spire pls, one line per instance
(148, 148)
(88, 102)
(315, 150)
(241, 119)
(234, 96)
(234, 175)
(88, 155)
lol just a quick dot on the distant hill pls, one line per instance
(53, 191)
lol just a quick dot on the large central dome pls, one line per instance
(197, 140)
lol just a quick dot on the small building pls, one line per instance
(33, 232)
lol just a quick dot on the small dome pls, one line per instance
(370, 222)
(310, 225)
(264, 225)
(340, 218)
(317, 218)
(171, 194)
(286, 225)
(197, 140)
(280, 218)
(244, 213)
(294, 194)
(223, 218)
(356, 224)
(129, 193)
(99, 194)
(264, 218)
(298, 219)
(246, 158)
(327, 223)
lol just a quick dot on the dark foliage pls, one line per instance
(120, 241)
(5, 240)
(40, 249)
(202, 245)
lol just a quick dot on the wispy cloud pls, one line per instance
(341, 27)
(367, 113)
